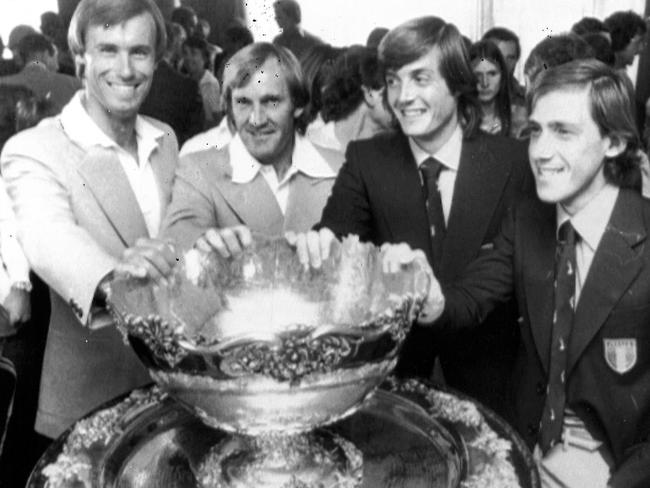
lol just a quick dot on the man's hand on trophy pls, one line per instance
(313, 247)
(228, 242)
(395, 256)
(148, 258)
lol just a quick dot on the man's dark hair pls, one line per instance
(414, 39)
(317, 67)
(33, 44)
(488, 50)
(21, 109)
(238, 34)
(200, 44)
(611, 97)
(504, 35)
(589, 25)
(290, 8)
(245, 62)
(109, 13)
(185, 16)
(623, 26)
(554, 51)
(343, 92)
(601, 47)
(51, 25)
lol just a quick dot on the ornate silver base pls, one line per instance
(319, 459)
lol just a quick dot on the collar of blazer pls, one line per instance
(616, 264)
(254, 203)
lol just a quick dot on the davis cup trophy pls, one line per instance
(268, 352)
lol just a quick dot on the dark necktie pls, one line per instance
(430, 170)
(565, 285)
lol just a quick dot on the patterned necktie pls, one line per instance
(430, 170)
(565, 284)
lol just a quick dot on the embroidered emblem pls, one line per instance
(620, 354)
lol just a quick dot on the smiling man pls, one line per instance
(89, 188)
(578, 264)
(270, 179)
(440, 186)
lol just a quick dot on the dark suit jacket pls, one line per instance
(378, 195)
(175, 100)
(614, 304)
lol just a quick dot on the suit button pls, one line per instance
(540, 388)
(532, 430)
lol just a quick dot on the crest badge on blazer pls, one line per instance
(620, 354)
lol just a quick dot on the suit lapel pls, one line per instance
(615, 265)
(538, 258)
(403, 211)
(164, 167)
(478, 188)
(105, 178)
(303, 208)
(253, 203)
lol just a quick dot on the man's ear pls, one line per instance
(370, 96)
(616, 146)
(80, 65)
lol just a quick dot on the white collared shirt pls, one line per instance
(305, 159)
(590, 223)
(449, 156)
(83, 130)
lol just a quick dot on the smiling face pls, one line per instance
(264, 113)
(488, 77)
(567, 151)
(421, 100)
(118, 64)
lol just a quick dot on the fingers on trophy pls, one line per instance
(148, 258)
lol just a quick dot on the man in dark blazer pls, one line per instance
(379, 194)
(582, 395)
(173, 97)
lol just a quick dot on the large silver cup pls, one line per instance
(261, 347)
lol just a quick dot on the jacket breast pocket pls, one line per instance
(626, 339)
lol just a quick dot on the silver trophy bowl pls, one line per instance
(262, 347)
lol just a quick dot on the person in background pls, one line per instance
(25, 298)
(203, 31)
(40, 72)
(317, 66)
(173, 98)
(375, 37)
(196, 60)
(186, 18)
(553, 51)
(15, 36)
(52, 28)
(508, 43)
(236, 36)
(353, 104)
(591, 25)
(288, 17)
(89, 188)
(269, 179)
(601, 47)
(497, 113)
(628, 32)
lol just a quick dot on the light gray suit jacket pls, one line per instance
(204, 196)
(76, 213)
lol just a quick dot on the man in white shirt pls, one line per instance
(196, 59)
(89, 189)
(269, 179)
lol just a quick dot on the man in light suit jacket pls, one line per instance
(40, 72)
(379, 195)
(269, 179)
(89, 188)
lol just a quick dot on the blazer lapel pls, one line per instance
(404, 210)
(164, 168)
(615, 265)
(538, 249)
(478, 188)
(105, 178)
(253, 203)
(307, 197)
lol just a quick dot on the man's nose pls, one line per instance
(257, 116)
(125, 67)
